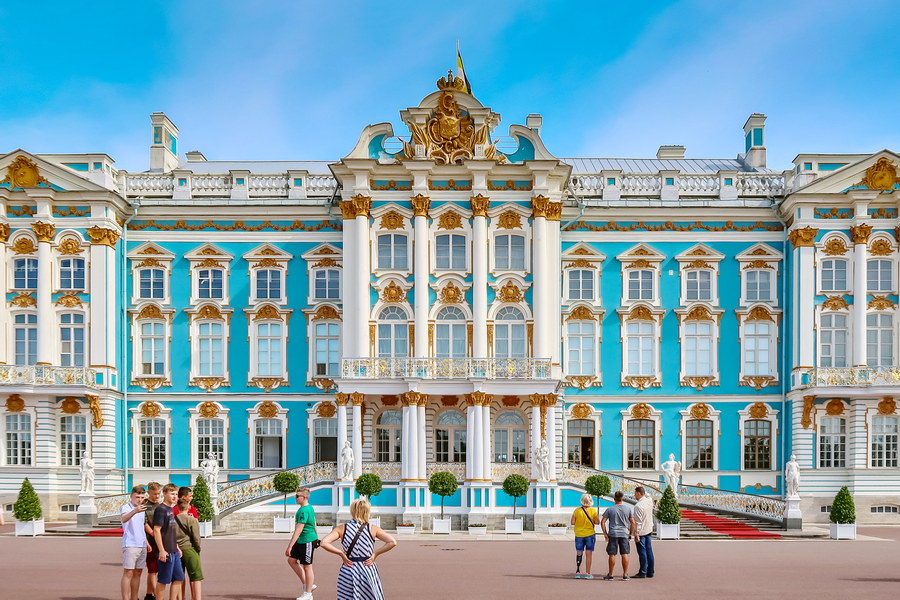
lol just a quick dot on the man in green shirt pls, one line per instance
(303, 543)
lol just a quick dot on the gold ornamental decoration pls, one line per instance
(639, 313)
(267, 384)
(509, 220)
(151, 311)
(808, 406)
(581, 411)
(420, 205)
(324, 383)
(698, 382)
(451, 294)
(554, 211)
(150, 409)
(480, 205)
(510, 293)
(23, 300)
(208, 410)
(641, 382)
(208, 384)
(69, 300)
(757, 382)
(880, 247)
(510, 401)
(759, 411)
(392, 220)
(880, 303)
(881, 176)
(357, 398)
(450, 220)
(325, 312)
(357, 206)
(96, 411)
(582, 382)
(479, 398)
(835, 303)
(4, 232)
(70, 406)
(700, 410)
(803, 237)
(44, 231)
(641, 410)
(759, 313)
(698, 313)
(326, 410)
(581, 313)
(24, 245)
(342, 398)
(835, 247)
(860, 233)
(100, 235)
(539, 206)
(834, 408)
(758, 264)
(887, 406)
(14, 403)
(70, 246)
(267, 409)
(208, 311)
(413, 398)
(24, 173)
(393, 293)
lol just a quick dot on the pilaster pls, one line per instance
(357, 398)
(480, 205)
(46, 342)
(104, 293)
(860, 236)
(420, 206)
(341, 400)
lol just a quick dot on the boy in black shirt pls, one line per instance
(169, 554)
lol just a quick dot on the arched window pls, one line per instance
(450, 437)
(387, 436)
(757, 444)
(71, 340)
(509, 333)
(451, 333)
(509, 438)
(698, 444)
(641, 447)
(832, 442)
(72, 439)
(393, 333)
(269, 443)
(325, 434)
(211, 439)
(18, 438)
(152, 440)
(884, 441)
(580, 442)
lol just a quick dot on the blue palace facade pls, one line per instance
(451, 298)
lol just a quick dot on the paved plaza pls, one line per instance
(78, 568)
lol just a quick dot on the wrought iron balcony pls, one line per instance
(48, 375)
(445, 368)
(851, 376)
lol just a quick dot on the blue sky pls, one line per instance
(298, 80)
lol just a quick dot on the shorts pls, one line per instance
(303, 553)
(170, 570)
(152, 560)
(618, 545)
(134, 558)
(585, 543)
(190, 560)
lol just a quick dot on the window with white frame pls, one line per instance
(17, 430)
(698, 345)
(153, 440)
(392, 251)
(884, 441)
(509, 252)
(581, 343)
(880, 275)
(153, 348)
(327, 349)
(450, 333)
(25, 273)
(72, 439)
(879, 340)
(393, 333)
(640, 444)
(268, 284)
(450, 437)
(210, 284)
(580, 441)
(268, 443)
(269, 349)
(581, 284)
(758, 285)
(832, 442)
(388, 431)
(640, 348)
(327, 284)
(25, 334)
(699, 440)
(758, 348)
(210, 349)
(833, 275)
(698, 285)
(833, 335)
(71, 274)
(509, 438)
(211, 439)
(325, 436)
(71, 340)
(641, 284)
(151, 284)
(757, 444)
(509, 333)
(450, 251)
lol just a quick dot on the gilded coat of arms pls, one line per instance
(881, 176)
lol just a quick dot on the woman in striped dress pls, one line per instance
(358, 578)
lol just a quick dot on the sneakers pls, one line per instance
(588, 576)
(577, 575)
(625, 577)
(149, 597)
(305, 596)
(639, 576)
(608, 577)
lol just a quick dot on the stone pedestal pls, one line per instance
(346, 493)
(87, 510)
(416, 502)
(793, 518)
(547, 502)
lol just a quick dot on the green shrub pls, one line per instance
(516, 486)
(28, 505)
(843, 511)
(598, 485)
(202, 502)
(286, 483)
(667, 511)
(444, 484)
(368, 485)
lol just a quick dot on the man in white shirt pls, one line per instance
(643, 518)
(134, 543)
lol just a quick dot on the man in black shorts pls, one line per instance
(621, 527)
(303, 542)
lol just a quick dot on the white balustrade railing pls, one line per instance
(48, 375)
(220, 184)
(457, 468)
(698, 184)
(689, 184)
(276, 185)
(766, 507)
(320, 184)
(640, 184)
(445, 368)
(502, 470)
(387, 471)
(156, 184)
(759, 184)
(211, 185)
(577, 475)
(851, 376)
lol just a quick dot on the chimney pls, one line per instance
(754, 141)
(195, 156)
(534, 122)
(164, 148)
(670, 152)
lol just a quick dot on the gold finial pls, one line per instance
(451, 82)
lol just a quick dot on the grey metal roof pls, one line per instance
(316, 167)
(654, 165)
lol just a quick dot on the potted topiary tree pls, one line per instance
(515, 486)
(368, 485)
(286, 483)
(597, 486)
(668, 517)
(843, 516)
(444, 484)
(203, 504)
(27, 511)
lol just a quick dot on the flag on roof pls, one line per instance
(461, 70)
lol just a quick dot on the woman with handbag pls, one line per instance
(358, 578)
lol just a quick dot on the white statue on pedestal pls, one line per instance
(347, 461)
(209, 470)
(542, 459)
(792, 478)
(672, 471)
(87, 473)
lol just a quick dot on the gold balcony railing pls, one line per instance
(47, 375)
(852, 376)
(445, 368)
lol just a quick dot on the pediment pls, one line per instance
(267, 251)
(583, 250)
(700, 252)
(323, 251)
(151, 250)
(759, 251)
(871, 173)
(641, 251)
(21, 170)
(208, 251)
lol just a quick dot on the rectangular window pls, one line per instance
(152, 282)
(450, 251)
(757, 348)
(153, 443)
(509, 252)
(25, 273)
(328, 355)
(153, 349)
(832, 442)
(327, 284)
(392, 251)
(640, 284)
(581, 348)
(641, 444)
(698, 444)
(269, 350)
(698, 286)
(641, 348)
(211, 345)
(879, 340)
(757, 444)
(879, 276)
(72, 440)
(698, 348)
(451, 340)
(834, 275)
(71, 339)
(25, 329)
(211, 283)
(759, 286)
(884, 441)
(71, 274)
(581, 284)
(833, 335)
(18, 439)
(211, 439)
(268, 284)
(269, 443)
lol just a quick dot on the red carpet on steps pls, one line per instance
(106, 532)
(728, 527)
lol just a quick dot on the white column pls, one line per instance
(422, 449)
(541, 286)
(860, 235)
(420, 206)
(553, 289)
(534, 442)
(486, 455)
(551, 437)
(351, 309)
(361, 249)
(104, 296)
(480, 206)
(46, 342)
(405, 452)
(341, 400)
(473, 439)
(6, 353)
(357, 399)
(806, 307)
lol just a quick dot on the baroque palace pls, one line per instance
(450, 300)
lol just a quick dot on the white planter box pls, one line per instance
(843, 531)
(440, 525)
(31, 528)
(406, 529)
(557, 530)
(323, 530)
(515, 526)
(206, 529)
(667, 531)
(477, 530)
(284, 525)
